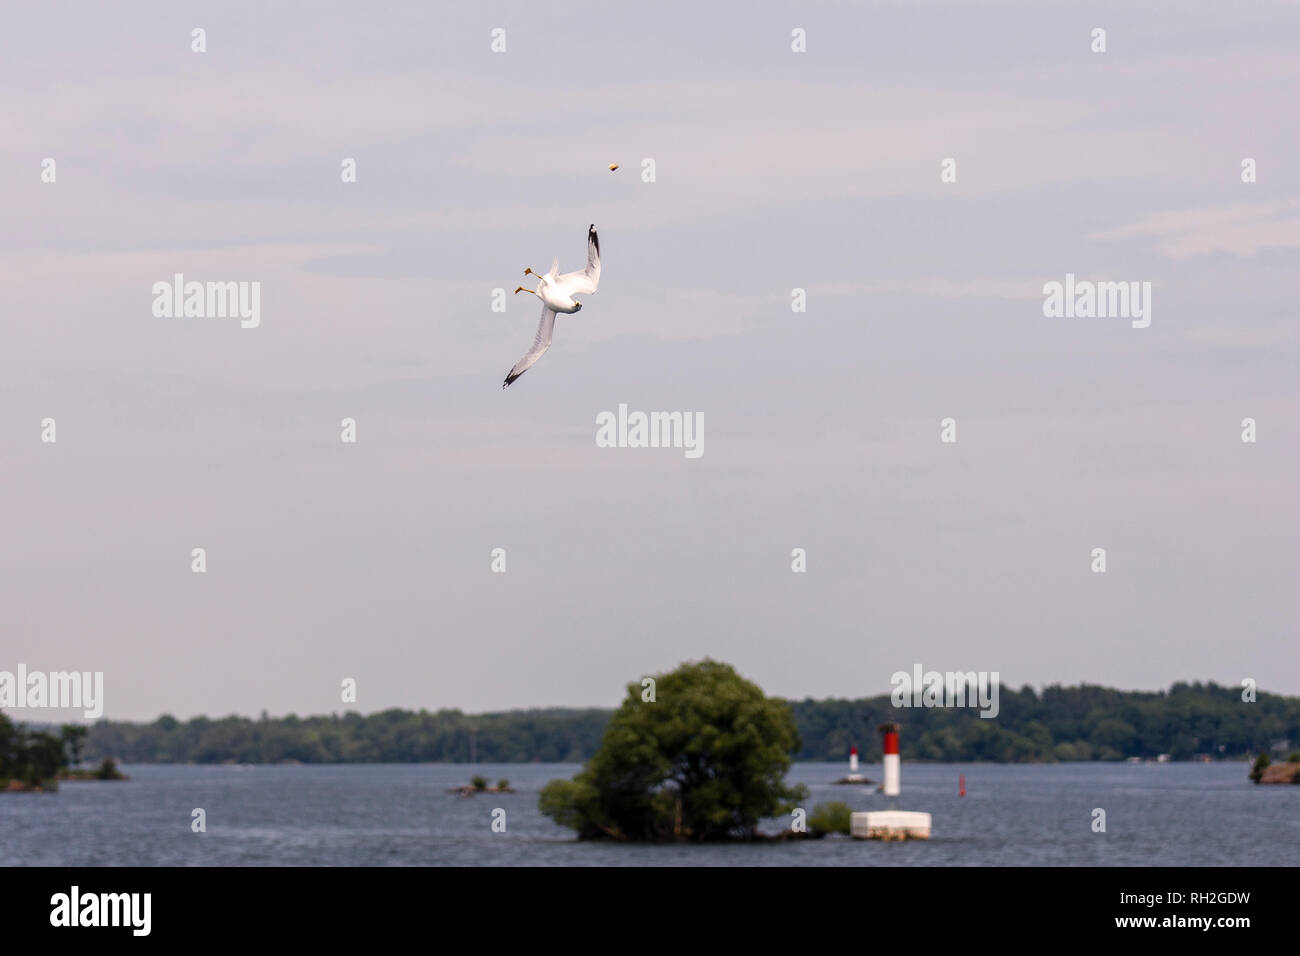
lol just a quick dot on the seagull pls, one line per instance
(557, 292)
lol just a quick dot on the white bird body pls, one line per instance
(557, 294)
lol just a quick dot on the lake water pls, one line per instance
(389, 814)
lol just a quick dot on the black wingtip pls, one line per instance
(595, 239)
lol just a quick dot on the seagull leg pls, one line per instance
(522, 289)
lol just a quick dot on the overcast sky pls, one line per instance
(775, 170)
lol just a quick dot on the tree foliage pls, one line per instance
(705, 760)
(1257, 769)
(833, 817)
(74, 736)
(31, 757)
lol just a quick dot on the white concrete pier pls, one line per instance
(890, 825)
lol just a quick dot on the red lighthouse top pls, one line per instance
(890, 731)
(853, 751)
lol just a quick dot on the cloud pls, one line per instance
(1239, 229)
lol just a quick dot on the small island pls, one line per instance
(1265, 771)
(107, 770)
(34, 761)
(480, 785)
(705, 760)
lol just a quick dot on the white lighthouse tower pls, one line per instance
(854, 776)
(890, 786)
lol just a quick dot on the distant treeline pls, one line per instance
(390, 736)
(1060, 723)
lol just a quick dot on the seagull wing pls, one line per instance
(584, 282)
(540, 344)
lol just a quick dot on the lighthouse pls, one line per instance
(854, 776)
(890, 786)
(890, 824)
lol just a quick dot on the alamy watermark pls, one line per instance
(128, 910)
(651, 430)
(61, 690)
(179, 299)
(947, 689)
(1098, 300)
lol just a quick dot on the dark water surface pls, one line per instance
(390, 814)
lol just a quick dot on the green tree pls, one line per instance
(73, 735)
(32, 757)
(45, 757)
(10, 749)
(1116, 734)
(705, 760)
(834, 817)
(1261, 764)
